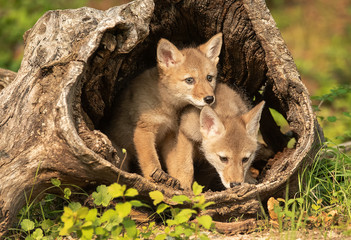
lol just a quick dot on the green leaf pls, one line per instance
(75, 206)
(204, 237)
(162, 207)
(290, 201)
(68, 220)
(38, 234)
(116, 190)
(331, 118)
(82, 212)
(157, 196)
(188, 232)
(116, 232)
(199, 201)
(46, 224)
(91, 216)
(180, 199)
(67, 227)
(197, 189)
(131, 192)
(67, 214)
(300, 200)
(171, 222)
(178, 230)
(108, 215)
(347, 114)
(67, 193)
(27, 225)
(161, 236)
(130, 227)
(183, 216)
(315, 207)
(87, 224)
(123, 209)
(100, 231)
(56, 182)
(289, 214)
(102, 196)
(87, 233)
(167, 230)
(205, 205)
(205, 221)
(137, 203)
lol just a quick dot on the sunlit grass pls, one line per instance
(323, 201)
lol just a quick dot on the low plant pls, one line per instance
(334, 114)
(110, 216)
(323, 200)
(178, 225)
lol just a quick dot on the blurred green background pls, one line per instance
(317, 32)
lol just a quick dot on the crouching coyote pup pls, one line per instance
(227, 134)
(149, 108)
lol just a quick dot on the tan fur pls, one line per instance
(228, 130)
(149, 109)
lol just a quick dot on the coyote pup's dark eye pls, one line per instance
(245, 159)
(223, 159)
(189, 80)
(209, 78)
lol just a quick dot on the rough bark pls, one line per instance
(6, 76)
(77, 61)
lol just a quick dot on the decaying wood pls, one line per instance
(232, 228)
(6, 76)
(77, 61)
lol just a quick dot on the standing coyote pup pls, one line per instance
(227, 135)
(149, 109)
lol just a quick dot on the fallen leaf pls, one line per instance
(274, 224)
(271, 204)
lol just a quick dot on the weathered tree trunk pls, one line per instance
(6, 76)
(77, 61)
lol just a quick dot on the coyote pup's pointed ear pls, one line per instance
(212, 48)
(168, 55)
(210, 124)
(252, 119)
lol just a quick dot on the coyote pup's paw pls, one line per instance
(159, 176)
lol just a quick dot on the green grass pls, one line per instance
(324, 198)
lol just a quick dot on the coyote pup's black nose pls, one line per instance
(233, 184)
(209, 99)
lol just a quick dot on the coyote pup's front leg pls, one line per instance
(179, 161)
(144, 142)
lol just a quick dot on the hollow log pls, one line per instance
(6, 76)
(77, 61)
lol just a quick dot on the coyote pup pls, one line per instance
(226, 133)
(149, 109)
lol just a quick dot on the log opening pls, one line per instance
(242, 62)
